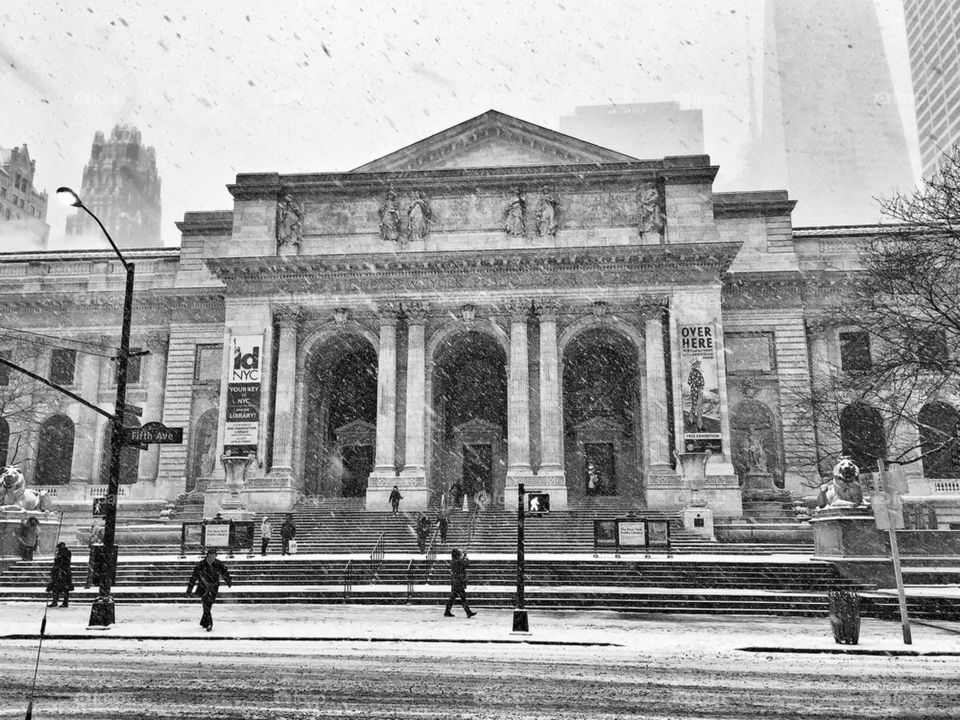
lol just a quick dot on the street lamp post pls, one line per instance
(102, 611)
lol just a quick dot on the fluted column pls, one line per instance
(518, 392)
(416, 386)
(153, 380)
(551, 414)
(657, 425)
(387, 394)
(287, 321)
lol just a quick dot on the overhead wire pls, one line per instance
(113, 352)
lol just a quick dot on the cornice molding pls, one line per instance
(488, 269)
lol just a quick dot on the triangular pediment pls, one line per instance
(494, 140)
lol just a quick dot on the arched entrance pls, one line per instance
(129, 455)
(55, 452)
(341, 397)
(470, 417)
(601, 414)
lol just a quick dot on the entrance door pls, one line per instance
(357, 466)
(599, 469)
(478, 469)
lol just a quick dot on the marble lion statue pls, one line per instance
(15, 495)
(844, 488)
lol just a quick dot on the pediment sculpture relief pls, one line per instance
(548, 211)
(653, 218)
(419, 217)
(390, 219)
(515, 215)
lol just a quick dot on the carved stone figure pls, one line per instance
(15, 495)
(515, 215)
(652, 219)
(752, 452)
(390, 219)
(844, 489)
(547, 210)
(289, 222)
(418, 218)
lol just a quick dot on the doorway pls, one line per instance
(599, 469)
(358, 463)
(478, 469)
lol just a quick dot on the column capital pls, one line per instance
(518, 309)
(388, 312)
(652, 307)
(416, 311)
(288, 316)
(547, 310)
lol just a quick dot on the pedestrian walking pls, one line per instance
(395, 498)
(206, 577)
(28, 536)
(61, 577)
(96, 538)
(423, 531)
(288, 531)
(458, 583)
(266, 534)
(443, 522)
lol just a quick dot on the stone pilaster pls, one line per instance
(656, 420)
(287, 320)
(413, 479)
(384, 474)
(87, 452)
(519, 469)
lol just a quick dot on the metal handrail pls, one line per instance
(431, 556)
(409, 581)
(347, 580)
(474, 521)
(377, 555)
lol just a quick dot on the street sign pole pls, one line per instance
(520, 621)
(895, 553)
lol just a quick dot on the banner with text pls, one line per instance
(243, 395)
(700, 389)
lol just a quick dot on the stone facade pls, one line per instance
(474, 353)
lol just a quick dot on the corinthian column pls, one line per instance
(551, 415)
(287, 321)
(518, 393)
(414, 474)
(387, 393)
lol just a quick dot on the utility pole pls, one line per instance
(895, 553)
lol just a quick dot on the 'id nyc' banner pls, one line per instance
(243, 395)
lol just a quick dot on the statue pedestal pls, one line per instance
(699, 520)
(762, 499)
(848, 533)
(230, 504)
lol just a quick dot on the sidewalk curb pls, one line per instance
(318, 638)
(853, 651)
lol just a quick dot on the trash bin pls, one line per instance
(845, 616)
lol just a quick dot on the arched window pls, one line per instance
(55, 453)
(861, 432)
(938, 425)
(4, 441)
(129, 456)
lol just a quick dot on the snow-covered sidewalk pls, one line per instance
(642, 633)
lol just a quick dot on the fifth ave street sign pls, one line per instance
(152, 433)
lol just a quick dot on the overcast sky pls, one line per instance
(295, 87)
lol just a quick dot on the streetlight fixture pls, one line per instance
(102, 611)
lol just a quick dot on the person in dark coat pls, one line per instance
(423, 531)
(28, 536)
(288, 531)
(206, 577)
(458, 583)
(395, 498)
(443, 521)
(61, 577)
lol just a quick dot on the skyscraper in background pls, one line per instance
(120, 185)
(933, 37)
(641, 130)
(831, 127)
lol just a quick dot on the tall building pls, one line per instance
(641, 130)
(120, 185)
(933, 36)
(830, 118)
(23, 210)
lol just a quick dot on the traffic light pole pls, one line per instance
(520, 620)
